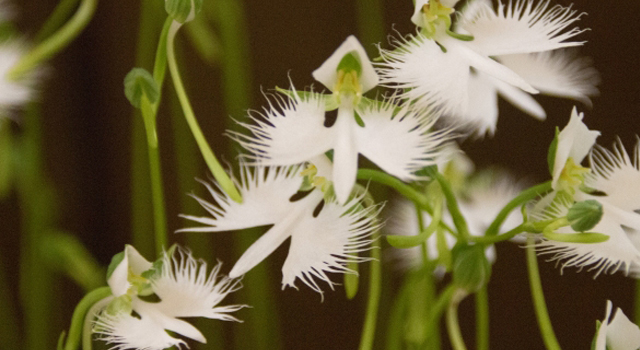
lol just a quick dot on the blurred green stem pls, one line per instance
(76, 330)
(542, 314)
(370, 23)
(524, 197)
(373, 302)
(453, 327)
(56, 42)
(482, 319)
(56, 19)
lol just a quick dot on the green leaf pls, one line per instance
(140, 82)
(584, 216)
(60, 345)
(593, 342)
(551, 154)
(115, 262)
(471, 269)
(350, 62)
(183, 10)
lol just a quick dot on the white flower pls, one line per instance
(463, 78)
(296, 127)
(184, 288)
(14, 94)
(619, 334)
(324, 235)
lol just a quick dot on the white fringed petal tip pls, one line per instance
(327, 73)
(574, 141)
(619, 334)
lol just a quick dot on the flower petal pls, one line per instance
(124, 331)
(622, 334)
(153, 312)
(327, 73)
(558, 73)
(601, 336)
(426, 74)
(265, 200)
(345, 154)
(482, 114)
(574, 141)
(520, 99)
(400, 141)
(187, 290)
(290, 131)
(132, 261)
(324, 243)
(615, 174)
(521, 27)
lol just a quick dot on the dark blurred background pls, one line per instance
(88, 127)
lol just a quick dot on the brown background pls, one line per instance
(88, 123)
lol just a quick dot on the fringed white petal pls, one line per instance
(616, 253)
(152, 312)
(290, 131)
(574, 141)
(482, 114)
(324, 243)
(400, 140)
(345, 154)
(186, 289)
(124, 331)
(622, 334)
(265, 200)
(617, 175)
(521, 27)
(426, 75)
(327, 73)
(558, 73)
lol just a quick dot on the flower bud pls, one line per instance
(183, 10)
(471, 269)
(584, 216)
(140, 82)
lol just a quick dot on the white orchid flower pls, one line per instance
(619, 334)
(462, 76)
(324, 234)
(297, 128)
(185, 289)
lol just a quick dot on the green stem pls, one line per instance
(87, 328)
(438, 309)
(56, 42)
(524, 197)
(454, 209)
(482, 319)
(212, 162)
(403, 241)
(370, 23)
(77, 320)
(453, 327)
(373, 303)
(56, 19)
(542, 314)
(526, 227)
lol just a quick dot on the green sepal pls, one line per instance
(461, 37)
(595, 337)
(351, 280)
(585, 215)
(350, 62)
(404, 242)
(583, 237)
(60, 345)
(139, 82)
(471, 269)
(330, 102)
(551, 154)
(359, 120)
(115, 262)
(183, 10)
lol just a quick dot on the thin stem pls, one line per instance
(453, 326)
(403, 241)
(57, 41)
(87, 328)
(370, 19)
(482, 319)
(438, 309)
(452, 204)
(212, 162)
(524, 197)
(79, 314)
(56, 19)
(526, 227)
(375, 287)
(636, 303)
(542, 314)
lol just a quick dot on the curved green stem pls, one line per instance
(525, 196)
(438, 309)
(212, 162)
(375, 286)
(503, 237)
(57, 41)
(482, 319)
(87, 328)
(79, 314)
(402, 241)
(542, 314)
(454, 209)
(57, 17)
(453, 327)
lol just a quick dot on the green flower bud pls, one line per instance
(471, 269)
(584, 216)
(140, 82)
(183, 10)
